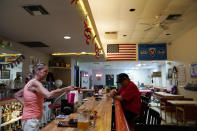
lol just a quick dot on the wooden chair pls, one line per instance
(167, 107)
(187, 113)
(154, 117)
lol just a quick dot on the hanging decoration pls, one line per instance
(93, 39)
(12, 62)
(87, 32)
(97, 51)
(74, 2)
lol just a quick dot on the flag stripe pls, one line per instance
(126, 49)
(121, 52)
(121, 57)
(126, 52)
(126, 44)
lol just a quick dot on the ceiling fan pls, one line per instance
(159, 23)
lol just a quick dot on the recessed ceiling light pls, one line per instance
(139, 65)
(83, 52)
(67, 37)
(131, 10)
(134, 68)
(168, 34)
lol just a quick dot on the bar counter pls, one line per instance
(121, 123)
(103, 120)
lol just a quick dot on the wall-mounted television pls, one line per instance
(193, 70)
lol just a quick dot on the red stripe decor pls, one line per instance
(119, 54)
(120, 57)
(126, 49)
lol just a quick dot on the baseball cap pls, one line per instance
(121, 77)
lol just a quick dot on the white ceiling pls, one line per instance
(88, 58)
(63, 19)
(109, 15)
(122, 65)
(114, 15)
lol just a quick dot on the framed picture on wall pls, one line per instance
(193, 70)
(156, 74)
(5, 74)
(169, 73)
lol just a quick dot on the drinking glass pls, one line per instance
(83, 121)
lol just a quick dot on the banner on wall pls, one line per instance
(152, 51)
(2, 59)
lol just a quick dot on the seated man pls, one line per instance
(129, 96)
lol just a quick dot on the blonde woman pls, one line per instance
(33, 97)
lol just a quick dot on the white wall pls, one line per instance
(142, 76)
(161, 81)
(184, 51)
(86, 69)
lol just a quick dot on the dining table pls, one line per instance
(182, 102)
(185, 109)
(168, 95)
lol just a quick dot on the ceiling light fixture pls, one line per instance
(9, 54)
(99, 75)
(62, 54)
(131, 10)
(134, 68)
(83, 52)
(67, 37)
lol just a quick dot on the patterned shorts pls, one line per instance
(31, 125)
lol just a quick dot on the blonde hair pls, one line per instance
(38, 66)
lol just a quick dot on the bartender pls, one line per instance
(33, 98)
(129, 96)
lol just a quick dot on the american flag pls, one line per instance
(121, 52)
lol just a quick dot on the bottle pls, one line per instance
(18, 125)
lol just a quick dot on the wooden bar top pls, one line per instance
(103, 120)
(121, 122)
